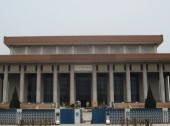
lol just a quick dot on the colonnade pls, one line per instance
(164, 93)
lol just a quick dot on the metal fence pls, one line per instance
(71, 116)
(168, 114)
(8, 116)
(39, 116)
(120, 116)
(152, 115)
(116, 116)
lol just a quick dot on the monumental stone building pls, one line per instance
(92, 69)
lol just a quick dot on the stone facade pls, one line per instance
(83, 49)
(150, 76)
(92, 71)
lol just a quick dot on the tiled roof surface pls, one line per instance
(105, 39)
(70, 58)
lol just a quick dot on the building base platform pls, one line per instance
(114, 105)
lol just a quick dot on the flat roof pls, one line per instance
(93, 39)
(85, 58)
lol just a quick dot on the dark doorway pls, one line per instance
(166, 74)
(118, 87)
(135, 87)
(83, 88)
(31, 97)
(64, 83)
(1, 86)
(102, 84)
(48, 88)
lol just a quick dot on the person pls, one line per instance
(78, 104)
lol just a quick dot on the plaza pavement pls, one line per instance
(84, 124)
(106, 125)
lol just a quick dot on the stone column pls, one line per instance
(145, 82)
(94, 87)
(167, 89)
(38, 90)
(55, 85)
(109, 49)
(5, 85)
(72, 85)
(128, 84)
(124, 49)
(161, 84)
(42, 89)
(140, 49)
(155, 49)
(22, 78)
(111, 83)
(93, 49)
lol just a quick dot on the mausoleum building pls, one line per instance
(91, 69)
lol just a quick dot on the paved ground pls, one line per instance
(105, 125)
(87, 124)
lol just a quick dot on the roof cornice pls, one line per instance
(84, 58)
(91, 39)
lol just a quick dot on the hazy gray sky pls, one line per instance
(84, 17)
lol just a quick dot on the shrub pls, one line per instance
(15, 103)
(150, 101)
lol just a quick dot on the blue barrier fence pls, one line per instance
(67, 116)
(99, 115)
(168, 114)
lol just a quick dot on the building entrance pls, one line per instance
(48, 88)
(134, 87)
(102, 84)
(31, 88)
(1, 86)
(83, 88)
(118, 87)
(64, 83)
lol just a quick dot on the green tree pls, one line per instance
(15, 103)
(150, 101)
